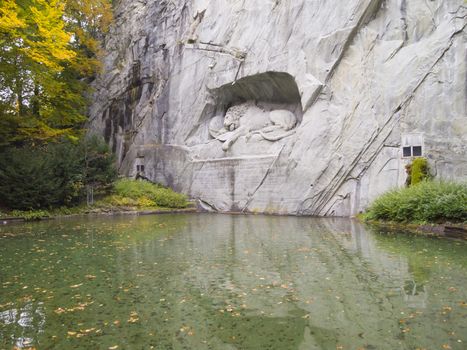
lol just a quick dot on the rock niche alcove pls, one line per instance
(249, 114)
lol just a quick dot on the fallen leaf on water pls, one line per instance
(133, 317)
(304, 250)
(446, 309)
(88, 330)
(26, 298)
(5, 305)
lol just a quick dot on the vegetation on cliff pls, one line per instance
(417, 171)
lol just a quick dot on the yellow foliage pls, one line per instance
(145, 202)
(33, 128)
(9, 16)
(50, 45)
(120, 201)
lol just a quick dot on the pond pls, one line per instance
(200, 281)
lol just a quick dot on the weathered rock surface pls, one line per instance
(363, 78)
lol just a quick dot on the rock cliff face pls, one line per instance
(304, 107)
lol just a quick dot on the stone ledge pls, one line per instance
(228, 159)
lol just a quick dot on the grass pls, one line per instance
(426, 202)
(127, 195)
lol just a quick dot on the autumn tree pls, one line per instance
(49, 52)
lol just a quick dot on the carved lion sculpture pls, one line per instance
(247, 119)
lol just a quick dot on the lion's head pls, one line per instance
(232, 117)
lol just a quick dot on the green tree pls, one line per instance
(55, 174)
(27, 180)
(49, 52)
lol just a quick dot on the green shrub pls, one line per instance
(28, 180)
(54, 175)
(146, 193)
(145, 202)
(419, 171)
(31, 215)
(429, 201)
(116, 200)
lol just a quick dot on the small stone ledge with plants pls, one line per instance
(55, 180)
(424, 206)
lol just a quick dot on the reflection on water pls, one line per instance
(29, 319)
(228, 282)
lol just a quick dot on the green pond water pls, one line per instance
(199, 281)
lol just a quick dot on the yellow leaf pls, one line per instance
(88, 330)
